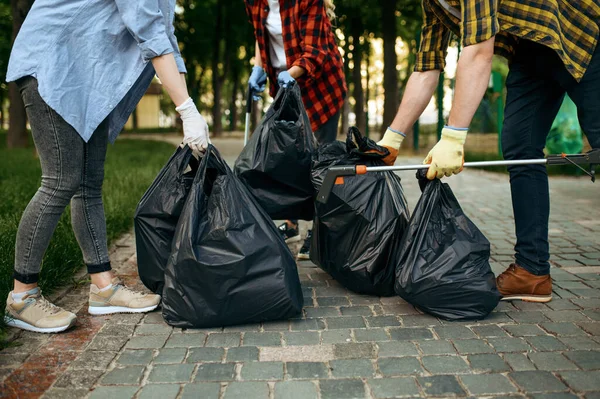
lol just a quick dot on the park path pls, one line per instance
(346, 345)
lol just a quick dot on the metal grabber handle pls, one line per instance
(248, 115)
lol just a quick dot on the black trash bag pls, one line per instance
(229, 264)
(275, 164)
(443, 260)
(354, 232)
(157, 214)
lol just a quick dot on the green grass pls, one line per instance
(557, 170)
(131, 166)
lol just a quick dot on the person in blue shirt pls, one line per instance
(81, 67)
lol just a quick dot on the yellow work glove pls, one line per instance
(392, 140)
(448, 155)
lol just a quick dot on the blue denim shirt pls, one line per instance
(91, 57)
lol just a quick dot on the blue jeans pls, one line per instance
(72, 171)
(536, 85)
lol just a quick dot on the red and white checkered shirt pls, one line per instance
(309, 43)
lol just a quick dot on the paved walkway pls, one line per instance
(346, 345)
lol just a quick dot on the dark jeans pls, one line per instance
(72, 170)
(536, 85)
(327, 133)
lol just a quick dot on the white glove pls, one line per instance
(195, 129)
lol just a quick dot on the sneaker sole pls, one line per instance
(102, 310)
(528, 298)
(26, 326)
(303, 257)
(293, 239)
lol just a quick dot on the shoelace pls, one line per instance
(130, 290)
(45, 304)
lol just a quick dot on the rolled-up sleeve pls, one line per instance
(176, 53)
(479, 21)
(146, 22)
(435, 37)
(313, 38)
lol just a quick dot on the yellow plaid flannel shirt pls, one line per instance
(568, 27)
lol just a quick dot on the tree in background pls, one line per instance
(5, 46)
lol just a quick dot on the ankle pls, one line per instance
(102, 280)
(20, 288)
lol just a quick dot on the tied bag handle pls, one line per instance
(363, 146)
(212, 157)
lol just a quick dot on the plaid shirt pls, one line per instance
(568, 27)
(309, 43)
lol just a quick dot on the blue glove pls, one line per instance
(284, 79)
(257, 81)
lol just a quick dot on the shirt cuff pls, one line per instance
(308, 66)
(430, 60)
(479, 30)
(180, 64)
(156, 47)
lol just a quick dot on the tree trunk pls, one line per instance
(17, 130)
(217, 127)
(233, 109)
(1, 109)
(357, 55)
(390, 61)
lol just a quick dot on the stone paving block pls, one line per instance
(488, 384)
(371, 335)
(509, 344)
(555, 395)
(382, 321)
(546, 343)
(524, 330)
(355, 351)
(419, 320)
(78, 378)
(170, 355)
(322, 312)
(565, 315)
(185, 340)
(563, 329)
(454, 332)
(345, 322)
(93, 360)
(357, 299)
(247, 390)
(352, 368)
(215, 372)
(301, 338)
(587, 360)
(489, 331)
(307, 324)
(356, 311)
(117, 329)
(409, 334)
(342, 389)
(125, 375)
(199, 355)
(397, 348)
(283, 325)
(592, 328)
(390, 366)
(132, 357)
(582, 381)
(434, 347)
(336, 336)
(551, 361)
(242, 354)
(445, 364)
(528, 317)
(307, 370)
(393, 387)
(243, 328)
(106, 343)
(487, 363)
(224, 340)
(593, 395)
(295, 390)
(472, 346)
(537, 381)
(580, 343)
(153, 329)
(152, 317)
(262, 371)
(400, 309)
(592, 314)
(586, 293)
(333, 301)
(65, 393)
(529, 306)
(586, 303)
(562, 304)
(171, 373)
(113, 392)
(441, 385)
(204, 390)
(159, 391)
(262, 339)
(518, 362)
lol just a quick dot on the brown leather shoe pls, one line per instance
(518, 283)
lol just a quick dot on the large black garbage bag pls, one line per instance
(157, 214)
(443, 261)
(275, 164)
(353, 233)
(228, 264)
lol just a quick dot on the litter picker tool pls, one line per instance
(335, 174)
(248, 115)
